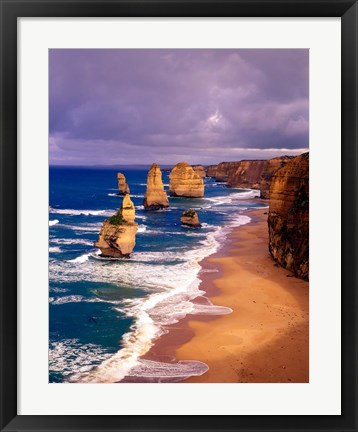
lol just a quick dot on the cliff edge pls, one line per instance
(288, 220)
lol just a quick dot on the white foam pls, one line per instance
(73, 212)
(142, 228)
(63, 241)
(171, 282)
(83, 258)
(68, 356)
(53, 222)
(66, 299)
(113, 194)
(140, 216)
(59, 290)
(54, 249)
(95, 227)
(167, 372)
(200, 309)
(78, 299)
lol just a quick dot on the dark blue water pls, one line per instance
(106, 313)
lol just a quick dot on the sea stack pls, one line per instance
(155, 197)
(185, 182)
(117, 235)
(190, 218)
(123, 188)
(288, 220)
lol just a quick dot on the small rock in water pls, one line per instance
(190, 218)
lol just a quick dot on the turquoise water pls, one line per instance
(105, 314)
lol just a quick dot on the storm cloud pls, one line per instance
(199, 105)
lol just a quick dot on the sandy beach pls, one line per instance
(265, 338)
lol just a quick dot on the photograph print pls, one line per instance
(178, 216)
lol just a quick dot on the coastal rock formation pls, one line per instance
(225, 170)
(211, 170)
(185, 182)
(117, 235)
(155, 197)
(128, 209)
(247, 174)
(272, 166)
(122, 185)
(200, 170)
(190, 218)
(288, 220)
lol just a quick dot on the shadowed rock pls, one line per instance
(288, 220)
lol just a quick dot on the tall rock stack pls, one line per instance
(118, 233)
(288, 220)
(185, 182)
(123, 188)
(155, 197)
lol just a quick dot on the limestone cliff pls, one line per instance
(225, 170)
(155, 197)
(117, 235)
(288, 220)
(185, 182)
(200, 170)
(271, 167)
(211, 170)
(247, 174)
(123, 188)
(190, 218)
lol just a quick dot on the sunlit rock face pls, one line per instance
(288, 220)
(185, 182)
(190, 218)
(155, 197)
(272, 166)
(123, 188)
(118, 233)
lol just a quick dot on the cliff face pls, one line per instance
(155, 197)
(122, 185)
(248, 174)
(185, 182)
(288, 220)
(190, 218)
(272, 166)
(211, 170)
(200, 170)
(225, 170)
(117, 235)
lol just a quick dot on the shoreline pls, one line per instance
(265, 338)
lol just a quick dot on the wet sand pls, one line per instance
(265, 338)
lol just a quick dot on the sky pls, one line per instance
(201, 106)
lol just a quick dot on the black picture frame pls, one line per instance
(13, 9)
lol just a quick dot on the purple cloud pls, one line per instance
(202, 106)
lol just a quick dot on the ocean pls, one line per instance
(104, 314)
